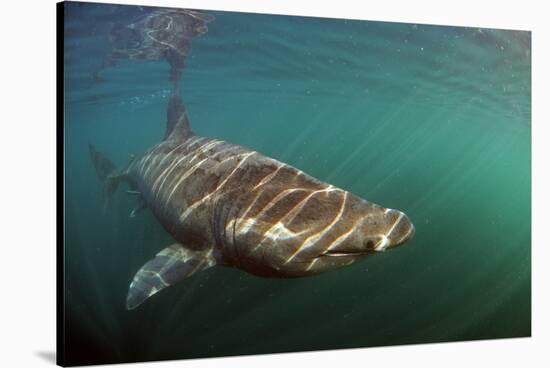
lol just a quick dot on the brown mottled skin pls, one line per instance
(216, 221)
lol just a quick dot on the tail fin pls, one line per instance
(107, 174)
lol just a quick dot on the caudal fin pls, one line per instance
(107, 174)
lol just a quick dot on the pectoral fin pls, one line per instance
(169, 266)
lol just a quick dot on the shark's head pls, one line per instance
(374, 232)
(327, 231)
(375, 229)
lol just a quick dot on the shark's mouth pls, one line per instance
(341, 253)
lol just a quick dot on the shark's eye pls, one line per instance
(369, 244)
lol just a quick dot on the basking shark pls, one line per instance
(228, 205)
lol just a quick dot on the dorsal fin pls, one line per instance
(177, 123)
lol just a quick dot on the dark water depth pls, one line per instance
(434, 121)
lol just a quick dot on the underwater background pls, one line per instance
(434, 121)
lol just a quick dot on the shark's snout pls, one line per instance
(400, 230)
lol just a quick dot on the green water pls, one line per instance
(433, 121)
